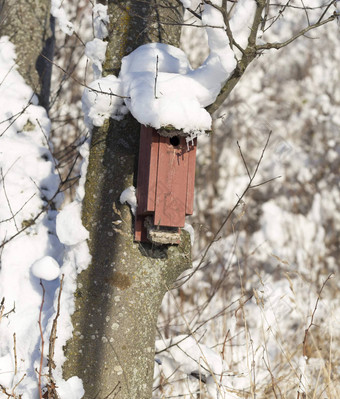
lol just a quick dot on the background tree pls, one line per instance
(30, 26)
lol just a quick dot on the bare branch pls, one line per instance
(239, 201)
(277, 46)
(304, 342)
(42, 340)
(83, 84)
(194, 13)
(7, 199)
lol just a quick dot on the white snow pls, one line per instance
(70, 229)
(188, 227)
(159, 85)
(99, 101)
(46, 268)
(71, 389)
(186, 3)
(27, 181)
(59, 13)
(95, 51)
(129, 196)
(242, 20)
(100, 21)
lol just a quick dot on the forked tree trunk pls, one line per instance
(119, 295)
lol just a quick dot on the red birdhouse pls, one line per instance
(165, 186)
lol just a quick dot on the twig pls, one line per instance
(7, 199)
(15, 117)
(19, 210)
(53, 336)
(9, 312)
(80, 83)
(243, 159)
(304, 342)
(156, 76)
(44, 208)
(50, 149)
(325, 11)
(2, 308)
(306, 12)
(239, 201)
(15, 354)
(16, 385)
(194, 13)
(277, 46)
(42, 340)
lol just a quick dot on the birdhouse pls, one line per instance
(165, 185)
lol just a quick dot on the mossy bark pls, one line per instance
(29, 26)
(119, 295)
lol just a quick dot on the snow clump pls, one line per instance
(46, 268)
(129, 196)
(158, 85)
(100, 21)
(59, 13)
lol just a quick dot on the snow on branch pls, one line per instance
(158, 84)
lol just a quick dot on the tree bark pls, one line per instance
(30, 27)
(119, 295)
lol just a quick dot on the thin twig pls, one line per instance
(277, 46)
(50, 149)
(7, 199)
(15, 354)
(306, 12)
(19, 210)
(80, 83)
(239, 201)
(243, 159)
(53, 335)
(17, 115)
(156, 77)
(16, 385)
(194, 13)
(304, 342)
(42, 341)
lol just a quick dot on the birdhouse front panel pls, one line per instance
(165, 184)
(171, 190)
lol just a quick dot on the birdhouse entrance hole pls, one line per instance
(174, 141)
(165, 186)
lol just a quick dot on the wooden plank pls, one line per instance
(140, 229)
(189, 209)
(147, 170)
(171, 189)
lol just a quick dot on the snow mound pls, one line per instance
(46, 268)
(70, 230)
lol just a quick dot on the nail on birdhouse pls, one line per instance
(165, 185)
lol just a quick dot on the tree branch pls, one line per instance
(277, 46)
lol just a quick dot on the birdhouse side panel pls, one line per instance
(189, 210)
(147, 170)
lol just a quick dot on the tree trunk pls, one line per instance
(30, 27)
(119, 295)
